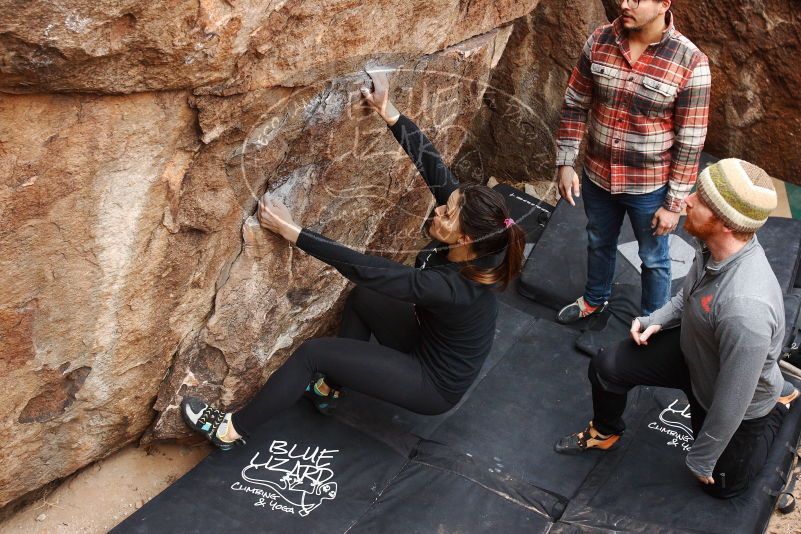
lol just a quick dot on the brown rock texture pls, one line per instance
(341, 171)
(133, 269)
(95, 294)
(512, 138)
(124, 46)
(753, 49)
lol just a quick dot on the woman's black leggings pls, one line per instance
(388, 370)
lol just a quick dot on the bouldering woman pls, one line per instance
(434, 322)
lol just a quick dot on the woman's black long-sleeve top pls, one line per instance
(456, 315)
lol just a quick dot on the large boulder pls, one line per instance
(134, 270)
(342, 173)
(512, 138)
(753, 50)
(96, 292)
(123, 46)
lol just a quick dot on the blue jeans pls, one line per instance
(605, 213)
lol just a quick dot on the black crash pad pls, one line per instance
(556, 270)
(644, 486)
(530, 213)
(263, 486)
(487, 467)
(781, 239)
(441, 490)
(536, 394)
(792, 315)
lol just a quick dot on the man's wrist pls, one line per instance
(566, 157)
(694, 469)
(673, 203)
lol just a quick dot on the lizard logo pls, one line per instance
(292, 480)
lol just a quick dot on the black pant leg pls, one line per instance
(375, 370)
(614, 371)
(745, 455)
(391, 321)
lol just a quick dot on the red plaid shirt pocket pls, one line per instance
(654, 98)
(606, 83)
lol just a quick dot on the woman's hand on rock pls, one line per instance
(378, 99)
(275, 217)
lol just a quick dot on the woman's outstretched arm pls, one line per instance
(418, 286)
(417, 145)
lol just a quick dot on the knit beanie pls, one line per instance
(739, 193)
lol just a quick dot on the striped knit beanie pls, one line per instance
(739, 193)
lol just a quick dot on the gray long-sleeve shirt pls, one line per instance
(732, 326)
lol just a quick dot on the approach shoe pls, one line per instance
(589, 438)
(207, 420)
(325, 404)
(578, 310)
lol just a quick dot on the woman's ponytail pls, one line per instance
(513, 261)
(485, 218)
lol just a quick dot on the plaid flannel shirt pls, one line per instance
(647, 120)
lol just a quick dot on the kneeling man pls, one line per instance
(719, 339)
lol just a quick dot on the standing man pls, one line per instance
(645, 89)
(723, 334)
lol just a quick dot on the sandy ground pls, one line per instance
(788, 523)
(101, 496)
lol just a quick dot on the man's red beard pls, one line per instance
(701, 230)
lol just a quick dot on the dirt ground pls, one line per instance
(788, 523)
(102, 495)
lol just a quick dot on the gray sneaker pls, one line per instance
(578, 310)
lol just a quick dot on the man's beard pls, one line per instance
(701, 230)
(639, 27)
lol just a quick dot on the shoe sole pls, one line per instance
(577, 451)
(597, 311)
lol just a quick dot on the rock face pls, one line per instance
(343, 173)
(114, 46)
(133, 270)
(512, 138)
(95, 294)
(753, 50)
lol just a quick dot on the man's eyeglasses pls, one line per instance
(633, 4)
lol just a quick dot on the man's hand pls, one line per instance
(569, 185)
(275, 217)
(641, 338)
(705, 480)
(664, 221)
(378, 99)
